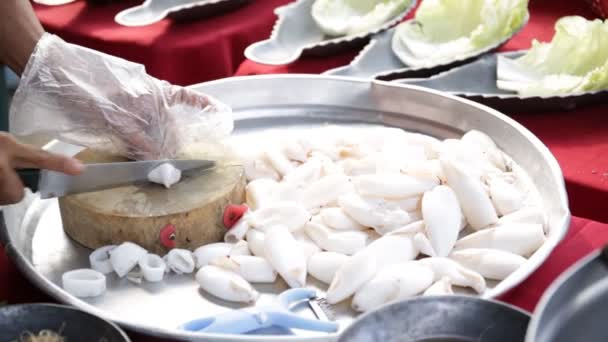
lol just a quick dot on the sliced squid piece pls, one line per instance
(241, 247)
(326, 191)
(239, 230)
(279, 161)
(152, 267)
(506, 197)
(259, 167)
(524, 215)
(259, 193)
(376, 213)
(346, 242)
(252, 268)
(412, 228)
(255, 242)
(395, 282)
(180, 261)
(324, 265)
(288, 214)
(336, 218)
(226, 284)
(442, 215)
(423, 244)
(308, 246)
(392, 185)
(441, 287)
(204, 254)
(490, 263)
(84, 283)
(458, 274)
(519, 238)
(100, 259)
(474, 200)
(283, 252)
(349, 278)
(165, 174)
(306, 173)
(125, 257)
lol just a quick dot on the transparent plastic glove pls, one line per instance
(95, 100)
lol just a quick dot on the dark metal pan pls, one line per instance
(440, 319)
(71, 323)
(574, 308)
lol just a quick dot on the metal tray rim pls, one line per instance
(53, 290)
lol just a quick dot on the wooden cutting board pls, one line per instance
(140, 213)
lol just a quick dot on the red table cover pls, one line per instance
(578, 139)
(181, 53)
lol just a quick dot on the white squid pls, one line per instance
(519, 238)
(226, 284)
(458, 274)
(443, 216)
(324, 265)
(395, 282)
(474, 201)
(490, 263)
(284, 253)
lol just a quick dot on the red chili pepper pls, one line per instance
(233, 213)
(167, 236)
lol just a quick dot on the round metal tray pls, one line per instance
(35, 240)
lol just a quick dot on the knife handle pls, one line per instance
(30, 178)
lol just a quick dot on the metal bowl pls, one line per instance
(36, 242)
(440, 319)
(574, 307)
(70, 323)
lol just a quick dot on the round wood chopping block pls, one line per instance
(146, 213)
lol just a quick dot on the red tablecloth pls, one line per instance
(181, 53)
(578, 139)
(584, 236)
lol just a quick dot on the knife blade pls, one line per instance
(101, 176)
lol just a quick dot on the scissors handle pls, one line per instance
(233, 322)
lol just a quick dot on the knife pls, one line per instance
(101, 176)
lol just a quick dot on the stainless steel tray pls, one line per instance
(35, 240)
(477, 81)
(152, 11)
(295, 33)
(378, 61)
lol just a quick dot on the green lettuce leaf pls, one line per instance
(576, 60)
(348, 17)
(445, 30)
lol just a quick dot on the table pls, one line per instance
(181, 53)
(577, 139)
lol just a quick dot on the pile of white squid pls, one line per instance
(378, 214)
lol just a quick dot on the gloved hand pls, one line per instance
(91, 99)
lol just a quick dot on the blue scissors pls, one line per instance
(276, 315)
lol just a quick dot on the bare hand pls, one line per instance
(14, 155)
